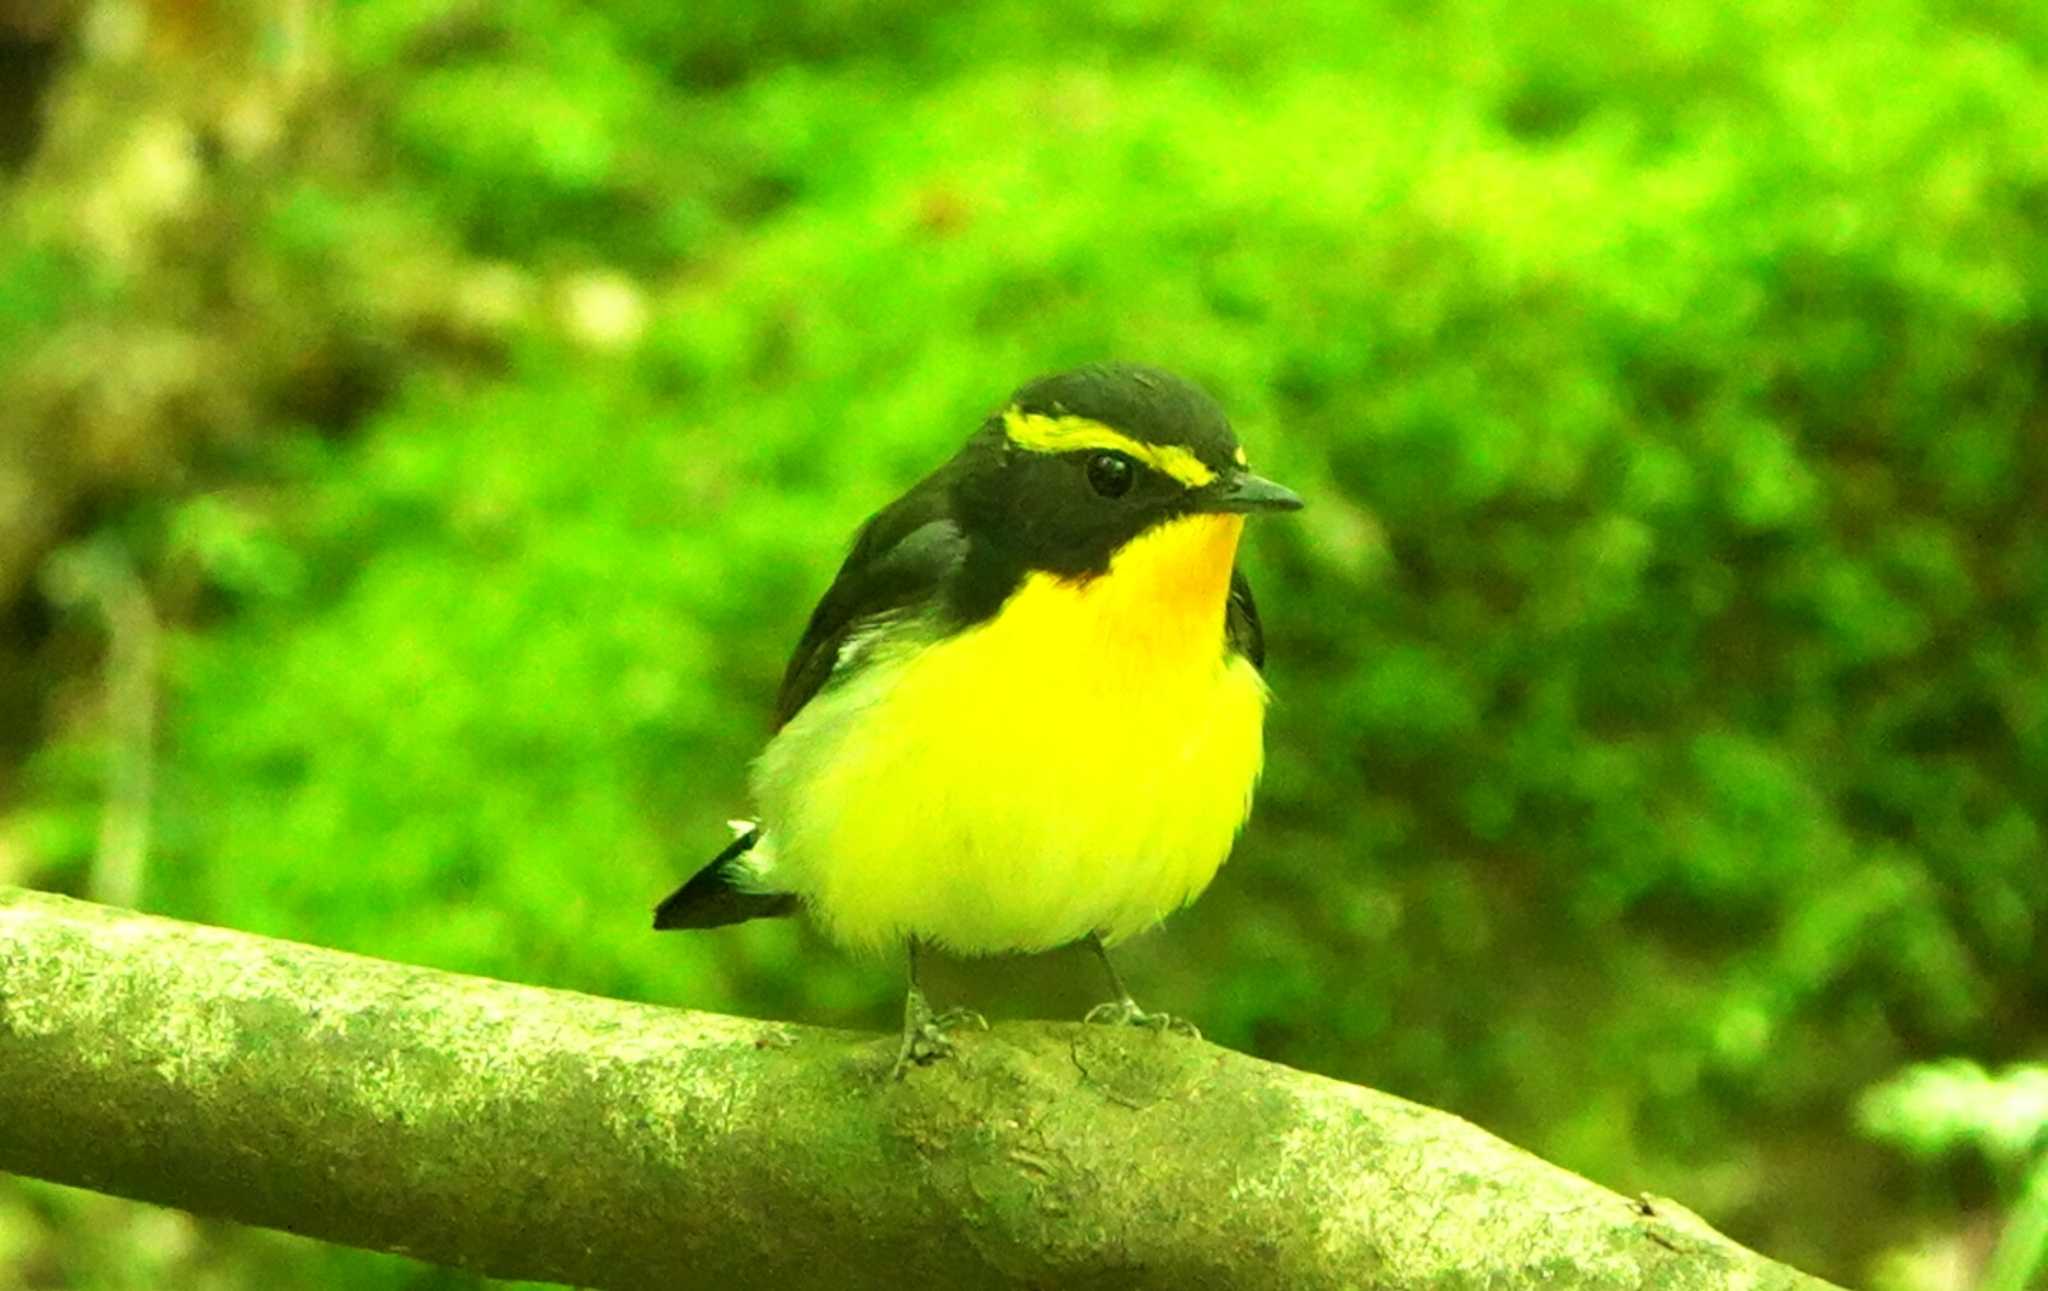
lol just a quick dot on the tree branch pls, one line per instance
(541, 1134)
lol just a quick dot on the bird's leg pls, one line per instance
(924, 1032)
(1123, 1010)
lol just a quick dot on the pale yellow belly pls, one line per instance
(1019, 786)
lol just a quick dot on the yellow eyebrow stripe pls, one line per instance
(1043, 434)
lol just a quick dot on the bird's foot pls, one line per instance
(1125, 1012)
(925, 1038)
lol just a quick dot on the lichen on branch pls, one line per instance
(542, 1134)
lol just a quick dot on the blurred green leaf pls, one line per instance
(1940, 1107)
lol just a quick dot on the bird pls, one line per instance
(1028, 712)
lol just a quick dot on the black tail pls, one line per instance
(713, 897)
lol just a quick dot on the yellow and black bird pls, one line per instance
(1028, 711)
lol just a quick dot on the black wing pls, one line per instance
(901, 560)
(1241, 621)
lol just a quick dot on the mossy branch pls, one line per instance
(541, 1134)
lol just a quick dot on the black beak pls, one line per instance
(1245, 492)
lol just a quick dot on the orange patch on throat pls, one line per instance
(1172, 581)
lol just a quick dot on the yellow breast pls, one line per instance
(1079, 763)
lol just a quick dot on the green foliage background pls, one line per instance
(484, 392)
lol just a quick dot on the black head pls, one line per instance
(1077, 464)
(1147, 404)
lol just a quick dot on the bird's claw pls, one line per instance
(922, 1044)
(1126, 1013)
(953, 1018)
(925, 1038)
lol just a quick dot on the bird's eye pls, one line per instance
(1110, 474)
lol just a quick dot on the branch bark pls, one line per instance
(540, 1134)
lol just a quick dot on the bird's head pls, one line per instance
(1079, 464)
